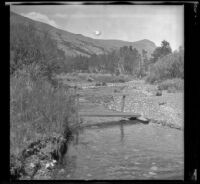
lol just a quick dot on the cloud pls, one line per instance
(40, 17)
(60, 15)
(92, 15)
(97, 33)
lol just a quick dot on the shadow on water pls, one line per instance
(105, 125)
(122, 132)
(109, 124)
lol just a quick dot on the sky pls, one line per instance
(121, 22)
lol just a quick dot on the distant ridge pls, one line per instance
(77, 44)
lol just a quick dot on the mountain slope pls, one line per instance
(77, 44)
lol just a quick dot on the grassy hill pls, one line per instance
(77, 44)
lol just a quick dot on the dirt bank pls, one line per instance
(39, 158)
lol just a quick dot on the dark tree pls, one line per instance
(165, 48)
(161, 51)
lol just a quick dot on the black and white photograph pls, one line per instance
(96, 92)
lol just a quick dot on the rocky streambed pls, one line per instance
(166, 109)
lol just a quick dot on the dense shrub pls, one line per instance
(168, 67)
(172, 85)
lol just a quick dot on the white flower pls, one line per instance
(52, 164)
(152, 173)
(32, 165)
(47, 165)
(154, 168)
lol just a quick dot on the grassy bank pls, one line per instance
(38, 110)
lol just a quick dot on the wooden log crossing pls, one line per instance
(109, 114)
(121, 114)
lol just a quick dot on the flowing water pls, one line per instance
(124, 150)
(134, 151)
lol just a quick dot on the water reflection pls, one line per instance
(122, 132)
(76, 137)
(101, 126)
(105, 125)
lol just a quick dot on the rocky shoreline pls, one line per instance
(165, 109)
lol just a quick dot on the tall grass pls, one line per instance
(37, 109)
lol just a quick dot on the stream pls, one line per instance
(123, 150)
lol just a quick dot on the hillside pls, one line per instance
(77, 44)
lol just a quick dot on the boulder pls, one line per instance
(162, 103)
(90, 79)
(159, 93)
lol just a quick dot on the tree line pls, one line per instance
(29, 46)
(128, 60)
(125, 60)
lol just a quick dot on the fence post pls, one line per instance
(123, 103)
(77, 96)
